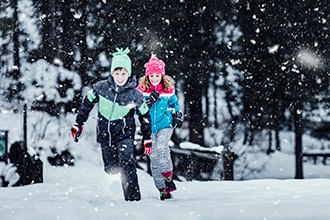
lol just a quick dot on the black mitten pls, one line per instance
(76, 130)
(177, 119)
(154, 97)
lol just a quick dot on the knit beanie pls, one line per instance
(120, 59)
(155, 65)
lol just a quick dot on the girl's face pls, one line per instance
(120, 76)
(155, 78)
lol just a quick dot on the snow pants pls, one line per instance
(119, 157)
(160, 157)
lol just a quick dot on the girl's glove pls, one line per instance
(76, 130)
(154, 97)
(177, 119)
(147, 144)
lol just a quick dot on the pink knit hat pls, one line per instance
(155, 65)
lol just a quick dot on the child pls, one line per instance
(118, 100)
(165, 113)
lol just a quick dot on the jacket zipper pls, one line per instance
(124, 122)
(155, 117)
(110, 116)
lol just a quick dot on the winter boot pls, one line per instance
(164, 194)
(170, 186)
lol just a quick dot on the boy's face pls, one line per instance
(155, 78)
(120, 76)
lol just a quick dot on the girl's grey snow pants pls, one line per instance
(160, 157)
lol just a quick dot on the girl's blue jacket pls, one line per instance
(162, 110)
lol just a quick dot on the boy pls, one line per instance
(118, 100)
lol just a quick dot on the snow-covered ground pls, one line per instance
(84, 191)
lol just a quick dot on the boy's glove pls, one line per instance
(147, 144)
(177, 119)
(154, 97)
(76, 130)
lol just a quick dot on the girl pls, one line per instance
(165, 114)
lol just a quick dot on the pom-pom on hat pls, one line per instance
(120, 59)
(155, 65)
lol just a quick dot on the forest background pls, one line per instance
(250, 66)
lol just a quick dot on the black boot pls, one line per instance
(168, 178)
(170, 186)
(164, 194)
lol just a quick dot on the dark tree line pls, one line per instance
(199, 42)
(181, 32)
(285, 61)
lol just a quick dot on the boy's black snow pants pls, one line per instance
(120, 158)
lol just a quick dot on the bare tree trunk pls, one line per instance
(277, 138)
(298, 138)
(50, 41)
(270, 142)
(67, 37)
(248, 134)
(215, 89)
(195, 114)
(16, 73)
(233, 118)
